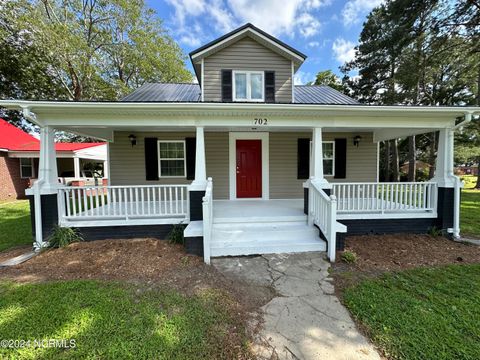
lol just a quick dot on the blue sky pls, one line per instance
(325, 30)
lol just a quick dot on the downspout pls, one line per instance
(37, 198)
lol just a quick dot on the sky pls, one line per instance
(325, 30)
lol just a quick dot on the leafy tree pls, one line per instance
(467, 149)
(328, 78)
(82, 50)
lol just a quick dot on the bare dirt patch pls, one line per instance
(377, 254)
(150, 261)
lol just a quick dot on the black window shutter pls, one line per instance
(340, 158)
(227, 85)
(190, 146)
(270, 86)
(151, 158)
(303, 159)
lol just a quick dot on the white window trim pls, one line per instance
(264, 137)
(249, 90)
(324, 158)
(22, 166)
(332, 158)
(184, 159)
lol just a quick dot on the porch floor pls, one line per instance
(225, 211)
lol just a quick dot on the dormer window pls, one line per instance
(248, 86)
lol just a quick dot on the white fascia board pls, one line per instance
(37, 106)
(389, 134)
(36, 154)
(241, 33)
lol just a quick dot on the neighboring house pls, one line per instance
(294, 168)
(19, 160)
(466, 170)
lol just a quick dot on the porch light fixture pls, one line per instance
(356, 140)
(133, 139)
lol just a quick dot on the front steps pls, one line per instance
(237, 237)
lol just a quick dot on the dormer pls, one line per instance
(246, 65)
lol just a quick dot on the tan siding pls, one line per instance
(127, 163)
(361, 162)
(247, 54)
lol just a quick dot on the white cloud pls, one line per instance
(301, 77)
(343, 50)
(292, 17)
(355, 10)
(313, 44)
(308, 25)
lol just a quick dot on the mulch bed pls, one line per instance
(377, 254)
(144, 261)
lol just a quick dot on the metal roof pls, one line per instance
(169, 92)
(318, 94)
(165, 92)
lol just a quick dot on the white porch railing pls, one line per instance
(207, 207)
(323, 213)
(386, 198)
(142, 204)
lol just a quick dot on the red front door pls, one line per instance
(249, 168)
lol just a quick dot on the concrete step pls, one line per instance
(255, 238)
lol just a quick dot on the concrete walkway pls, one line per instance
(305, 320)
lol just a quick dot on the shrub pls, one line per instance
(435, 232)
(175, 236)
(349, 257)
(63, 236)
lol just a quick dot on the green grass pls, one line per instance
(15, 226)
(470, 213)
(114, 321)
(422, 313)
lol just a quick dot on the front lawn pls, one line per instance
(111, 320)
(424, 313)
(470, 213)
(15, 226)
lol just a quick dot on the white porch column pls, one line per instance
(317, 158)
(444, 175)
(76, 167)
(200, 181)
(47, 168)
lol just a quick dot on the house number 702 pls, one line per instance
(261, 121)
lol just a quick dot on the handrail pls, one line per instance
(207, 208)
(386, 197)
(123, 202)
(323, 213)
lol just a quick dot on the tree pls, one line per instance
(467, 146)
(101, 49)
(328, 78)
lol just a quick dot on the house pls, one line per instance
(249, 161)
(19, 160)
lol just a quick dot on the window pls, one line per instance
(171, 158)
(26, 168)
(248, 86)
(328, 149)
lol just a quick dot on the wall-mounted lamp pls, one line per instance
(356, 140)
(133, 139)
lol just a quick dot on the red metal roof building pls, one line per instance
(19, 153)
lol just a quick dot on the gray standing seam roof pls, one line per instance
(171, 92)
(165, 92)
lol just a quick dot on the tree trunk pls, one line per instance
(477, 185)
(412, 160)
(395, 164)
(386, 161)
